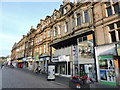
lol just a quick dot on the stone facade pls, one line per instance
(41, 44)
(69, 35)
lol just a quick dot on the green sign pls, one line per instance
(37, 56)
(107, 70)
(105, 57)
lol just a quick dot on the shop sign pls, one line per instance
(107, 70)
(19, 60)
(24, 59)
(67, 58)
(47, 58)
(62, 58)
(41, 59)
(44, 58)
(75, 54)
(37, 56)
(55, 59)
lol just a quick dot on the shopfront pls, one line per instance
(62, 65)
(83, 60)
(25, 63)
(107, 70)
(20, 64)
(43, 62)
(36, 63)
(107, 63)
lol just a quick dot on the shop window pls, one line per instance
(116, 8)
(69, 68)
(111, 26)
(113, 37)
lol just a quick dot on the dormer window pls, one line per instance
(66, 10)
(43, 26)
(56, 15)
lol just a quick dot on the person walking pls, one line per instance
(2, 66)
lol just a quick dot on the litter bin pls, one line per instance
(51, 72)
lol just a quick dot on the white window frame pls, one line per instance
(40, 50)
(59, 32)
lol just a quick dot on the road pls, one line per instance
(13, 78)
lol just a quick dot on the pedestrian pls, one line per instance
(2, 66)
(39, 69)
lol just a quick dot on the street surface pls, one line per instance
(22, 78)
(13, 78)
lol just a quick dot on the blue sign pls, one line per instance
(44, 58)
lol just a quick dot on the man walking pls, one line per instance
(2, 66)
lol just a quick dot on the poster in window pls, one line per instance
(107, 69)
(103, 75)
(103, 64)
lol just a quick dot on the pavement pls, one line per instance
(16, 78)
(24, 78)
(65, 80)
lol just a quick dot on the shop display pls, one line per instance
(103, 64)
(107, 69)
(103, 74)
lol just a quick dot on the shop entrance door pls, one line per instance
(62, 69)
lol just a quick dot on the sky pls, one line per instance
(16, 19)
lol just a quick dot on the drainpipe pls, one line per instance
(94, 41)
